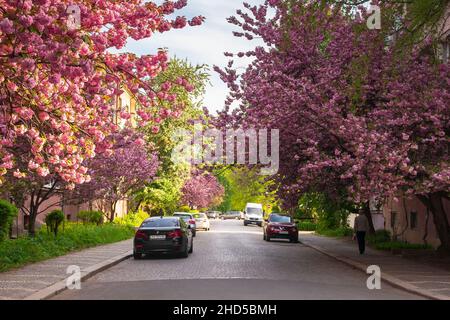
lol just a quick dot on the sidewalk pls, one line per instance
(427, 277)
(42, 279)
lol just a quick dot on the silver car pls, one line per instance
(189, 219)
(202, 221)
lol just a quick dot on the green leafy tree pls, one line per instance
(90, 216)
(7, 213)
(163, 194)
(53, 220)
(244, 185)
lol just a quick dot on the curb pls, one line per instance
(392, 280)
(86, 273)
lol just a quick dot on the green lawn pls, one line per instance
(22, 251)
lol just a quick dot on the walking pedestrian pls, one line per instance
(361, 227)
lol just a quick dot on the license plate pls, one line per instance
(284, 232)
(158, 237)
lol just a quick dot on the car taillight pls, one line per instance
(174, 234)
(141, 235)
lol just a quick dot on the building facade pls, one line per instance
(408, 219)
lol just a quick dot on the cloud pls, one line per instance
(204, 44)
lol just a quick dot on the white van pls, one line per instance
(253, 214)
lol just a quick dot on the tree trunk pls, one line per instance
(113, 211)
(368, 215)
(138, 205)
(33, 215)
(433, 202)
(32, 224)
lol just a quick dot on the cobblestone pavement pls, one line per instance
(233, 262)
(22, 282)
(426, 274)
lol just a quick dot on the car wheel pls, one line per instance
(245, 224)
(137, 256)
(293, 240)
(192, 246)
(267, 238)
(185, 252)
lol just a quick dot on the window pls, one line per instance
(393, 219)
(256, 211)
(69, 217)
(281, 219)
(413, 220)
(160, 223)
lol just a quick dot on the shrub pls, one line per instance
(184, 209)
(53, 220)
(389, 245)
(380, 236)
(306, 226)
(76, 236)
(133, 219)
(276, 209)
(91, 216)
(7, 213)
(338, 232)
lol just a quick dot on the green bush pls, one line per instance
(380, 236)
(184, 209)
(389, 245)
(276, 209)
(19, 252)
(133, 219)
(328, 213)
(53, 220)
(306, 226)
(338, 232)
(91, 216)
(7, 214)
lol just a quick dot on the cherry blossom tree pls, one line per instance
(202, 190)
(357, 117)
(59, 78)
(114, 176)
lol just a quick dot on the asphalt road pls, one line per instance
(233, 262)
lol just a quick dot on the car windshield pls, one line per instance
(160, 223)
(257, 211)
(183, 216)
(199, 216)
(278, 218)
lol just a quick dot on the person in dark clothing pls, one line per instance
(361, 227)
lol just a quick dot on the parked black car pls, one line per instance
(163, 235)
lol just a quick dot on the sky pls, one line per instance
(203, 44)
